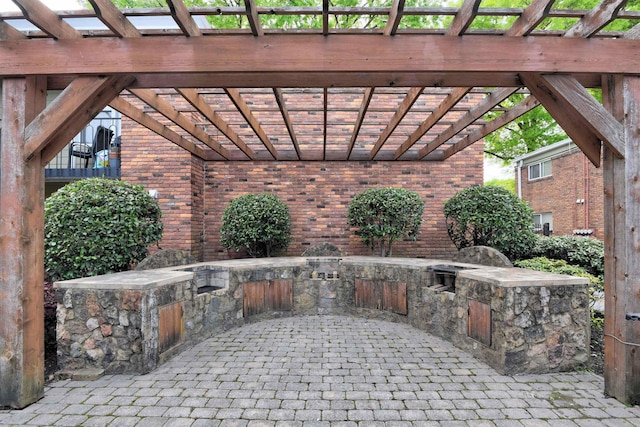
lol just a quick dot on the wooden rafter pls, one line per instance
(71, 125)
(490, 101)
(412, 96)
(47, 20)
(523, 107)
(7, 32)
(277, 92)
(165, 108)
(200, 104)
(366, 100)
(244, 109)
(395, 16)
(530, 18)
(76, 97)
(579, 102)
(183, 18)
(325, 108)
(129, 110)
(325, 17)
(465, 16)
(450, 100)
(253, 17)
(114, 19)
(564, 115)
(596, 19)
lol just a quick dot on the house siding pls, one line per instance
(573, 178)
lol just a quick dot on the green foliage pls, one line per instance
(384, 215)
(98, 226)
(523, 135)
(583, 251)
(490, 216)
(507, 184)
(257, 223)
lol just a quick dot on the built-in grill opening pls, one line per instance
(444, 277)
(209, 280)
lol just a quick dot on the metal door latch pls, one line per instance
(632, 316)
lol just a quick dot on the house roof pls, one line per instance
(384, 80)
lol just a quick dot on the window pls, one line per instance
(540, 219)
(539, 170)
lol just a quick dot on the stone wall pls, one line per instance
(532, 321)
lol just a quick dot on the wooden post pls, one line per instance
(21, 248)
(621, 95)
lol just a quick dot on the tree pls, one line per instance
(257, 223)
(490, 216)
(98, 226)
(384, 215)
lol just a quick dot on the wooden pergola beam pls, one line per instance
(114, 19)
(72, 100)
(76, 121)
(200, 104)
(402, 110)
(395, 16)
(282, 105)
(21, 247)
(183, 18)
(465, 16)
(523, 107)
(253, 17)
(594, 116)
(246, 112)
(530, 18)
(364, 106)
(269, 55)
(129, 110)
(596, 19)
(443, 108)
(572, 121)
(490, 101)
(47, 20)
(7, 32)
(165, 108)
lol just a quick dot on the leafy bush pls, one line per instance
(583, 251)
(98, 226)
(257, 223)
(384, 215)
(490, 216)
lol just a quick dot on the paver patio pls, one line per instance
(327, 371)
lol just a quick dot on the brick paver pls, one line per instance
(327, 371)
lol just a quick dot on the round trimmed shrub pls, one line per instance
(98, 226)
(490, 216)
(384, 215)
(257, 223)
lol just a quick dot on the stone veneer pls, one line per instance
(537, 322)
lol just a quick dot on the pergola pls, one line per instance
(445, 78)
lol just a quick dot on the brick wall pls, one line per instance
(573, 178)
(193, 194)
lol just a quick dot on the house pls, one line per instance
(564, 189)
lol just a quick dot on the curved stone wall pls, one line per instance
(518, 321)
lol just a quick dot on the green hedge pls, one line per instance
(98, 226)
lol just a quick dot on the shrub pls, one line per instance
(98, 226)
(384, 215)
(257, 223)
(490, 216)
(583, 251)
